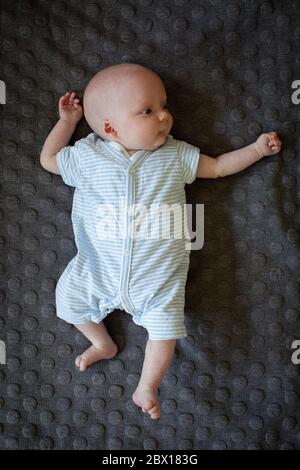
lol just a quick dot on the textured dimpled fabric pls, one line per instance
(228, 68)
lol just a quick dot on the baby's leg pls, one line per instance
(158, 355)
(102, 347)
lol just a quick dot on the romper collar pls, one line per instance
(119, 147)
(119, 152)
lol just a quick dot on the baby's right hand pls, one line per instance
(69, 108)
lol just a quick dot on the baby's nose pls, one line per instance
(162, 115)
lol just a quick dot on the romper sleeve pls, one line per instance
(189, 157)
(68, 160)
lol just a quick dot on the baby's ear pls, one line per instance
(107, 126)
(108, 129)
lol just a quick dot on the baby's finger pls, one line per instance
(276, 148)
(273, 134)
(275, 142)
(63, 99)
(68, 98)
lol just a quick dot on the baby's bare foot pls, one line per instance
(148, 400)
(93, 354)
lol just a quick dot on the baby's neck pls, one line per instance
(130, 152)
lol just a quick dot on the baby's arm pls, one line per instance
(70, 112)
(233, 162)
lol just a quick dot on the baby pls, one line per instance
(129, 159)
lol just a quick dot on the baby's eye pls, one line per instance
(148, 111)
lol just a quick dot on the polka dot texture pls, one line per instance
(228, 68)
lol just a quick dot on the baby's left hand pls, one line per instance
(268, 144)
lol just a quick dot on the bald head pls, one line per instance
(108, 90)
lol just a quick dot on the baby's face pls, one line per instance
(141, 119)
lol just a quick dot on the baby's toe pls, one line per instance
(80, 363)
(83, 365)
(155, 413)
(77, 361)
(147, 407)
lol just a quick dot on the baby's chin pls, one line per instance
(161, 138)
(155, 147)
(163, 135)
(158, 142)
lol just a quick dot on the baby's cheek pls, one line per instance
(143, 132)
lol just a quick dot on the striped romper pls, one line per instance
(121, 263)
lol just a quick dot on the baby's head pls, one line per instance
(128, 103)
